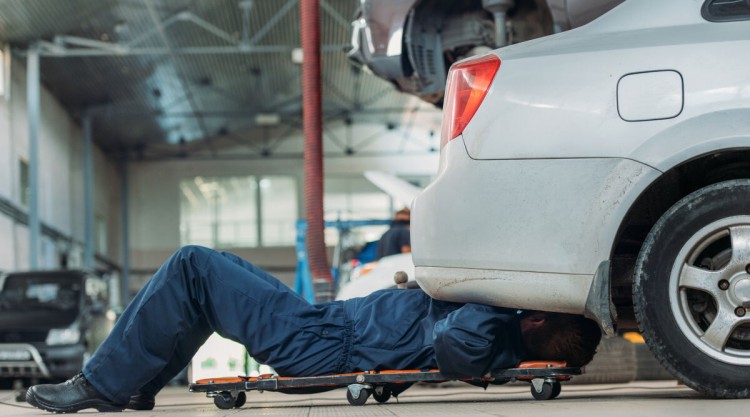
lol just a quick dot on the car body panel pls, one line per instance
(650, 95)
(700, 135)
(529, 200)
(501, 225)
(584, 119)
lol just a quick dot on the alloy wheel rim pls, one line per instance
(708, 290)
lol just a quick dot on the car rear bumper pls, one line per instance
(566, 293)
(520, 233)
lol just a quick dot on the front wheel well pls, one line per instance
(667, 190)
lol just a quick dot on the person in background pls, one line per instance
(397, 239)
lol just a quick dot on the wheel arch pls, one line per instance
(674, 184)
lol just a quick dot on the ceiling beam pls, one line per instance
(346, 23)
(84, 47)
(50, 50)
(337, 113)
(271, 23)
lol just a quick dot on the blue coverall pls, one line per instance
(199, 291)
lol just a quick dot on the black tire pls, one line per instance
(364, 394)
(384, 395)
(240, 400)
(224, 400)
(546, 392)
(690, 280)
(648, 367)
(614, 363)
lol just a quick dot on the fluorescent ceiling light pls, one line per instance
(297, 55)
(267, 119)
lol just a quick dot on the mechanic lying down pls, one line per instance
(199, 291)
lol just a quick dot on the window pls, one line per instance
(2, 71)
(231, 212)
(355, 198)
(726, 10)
(26, 292)
(23, 181)
(219, 212)
(278, 210)
(100, 234)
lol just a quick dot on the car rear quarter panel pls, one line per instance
(559, 99)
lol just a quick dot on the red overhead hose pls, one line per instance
(312, 121)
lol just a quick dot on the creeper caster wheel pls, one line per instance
(241, 399)
(362, 395)
(556, 389)
(224, 400)
(382, 394)
(545, 390)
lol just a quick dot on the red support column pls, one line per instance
(312, 118)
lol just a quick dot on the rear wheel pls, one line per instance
(691, 289)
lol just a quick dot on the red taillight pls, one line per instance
(468, 83)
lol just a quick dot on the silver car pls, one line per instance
(605, 171)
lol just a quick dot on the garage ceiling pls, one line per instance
(176, 78)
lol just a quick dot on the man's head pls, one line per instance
(559, 337)
(403, 215)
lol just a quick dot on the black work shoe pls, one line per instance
(142, 401)
(70, 396)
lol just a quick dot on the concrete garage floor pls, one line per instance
(636, 399)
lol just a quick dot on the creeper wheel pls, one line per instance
(546, 391)
(241, 399)
(383, 396)
(364, 394)
(224, 400)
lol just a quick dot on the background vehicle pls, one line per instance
(373, 276)
(50, 322)
(605, 171)
(412, 43)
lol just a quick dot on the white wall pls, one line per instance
(7, 230)
(7, 257)
(60, 176)
(155, 199)
(6, 149)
